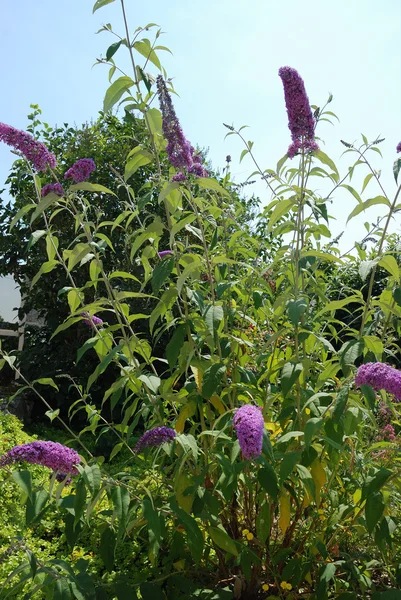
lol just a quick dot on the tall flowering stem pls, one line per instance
(379, 253)
(35, 152)
(301, 121)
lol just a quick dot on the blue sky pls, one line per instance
(226, 57)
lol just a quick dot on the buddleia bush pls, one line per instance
(268, 427)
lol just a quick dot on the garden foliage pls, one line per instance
(275, 468)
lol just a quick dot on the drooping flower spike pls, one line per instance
(179, 150)
(155, 437)
(33, 150)
(53, 455)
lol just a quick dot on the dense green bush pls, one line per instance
(267, 467)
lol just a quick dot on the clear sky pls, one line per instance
(226, 57)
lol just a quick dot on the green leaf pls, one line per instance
(281, 209)
(340, 403)
(161, 272)
(43, 205)
(268, 480)
(373, 510)
(389, 263)
(312, 426)
(144, 47)
(86, 186)
(336, 304)
(107, 548)
(221, 538)
(35, 505)
(173, 348)
(263, 522)
(306, 477)
(111, 50)
(290, 459)
(389, 594)
(52, 414)
(137, 158)
(289, 375)
(320, 155)
(194, 534)
(213, 316)
(289, 436)
(295, 309)
(367, 204)
(35, 236)
(24, 480)
(396, 168)
(92, 477)
(46, 267)
(47, 381)
(100, 3)
(212, 378)
(376, 482)
(209, 183)
(350, 351)
(366, 266)
(22, 211)
(397, 295)
(115, 91)
(151, 591)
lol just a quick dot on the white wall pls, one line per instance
(9, 298)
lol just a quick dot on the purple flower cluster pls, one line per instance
(81, 170)
(180, 151)
(91, 321)
(399, 147)
(155, 437)
(380, 377)
(249, 426)
(34, 151)
(56, 188)
(179, 177)
(387, 433)
(53, 455)
(301, 121)
(164, 253)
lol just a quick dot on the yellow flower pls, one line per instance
(265, 587)
(285, 586)
(245, 531)
(249, 536)
(307, 411)
(320, 511)
(322, 517)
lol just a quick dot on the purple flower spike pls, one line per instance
(155, 437)
(34, 151)
(56, 188)
(249, 425)
(165, 253)
(179, 150)
(81, 170)
(380, 377)
(399, 147)
(53, 455)
(301, 121)
(91, 321)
